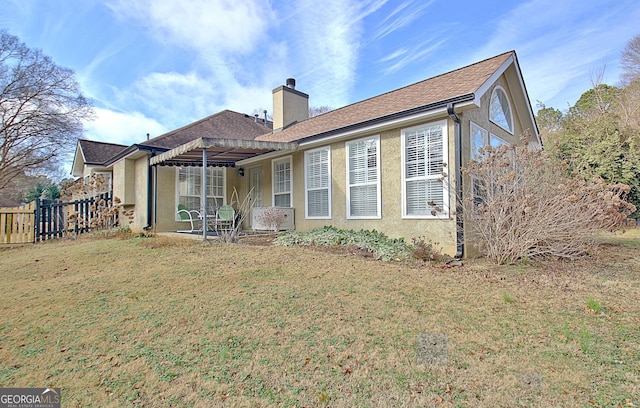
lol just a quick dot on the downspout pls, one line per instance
(458, 175)
(155, 198)
(150, 192)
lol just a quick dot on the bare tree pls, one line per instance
(41, 109)
(319, 110)
(630, 61)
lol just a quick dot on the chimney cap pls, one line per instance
(291, 83)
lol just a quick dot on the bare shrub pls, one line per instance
(104, 213)
(426, 250)
(523, 207)
(244, 207)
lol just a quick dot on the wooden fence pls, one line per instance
(17, 224)
(50, 219)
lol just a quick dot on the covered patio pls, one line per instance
(207, 152)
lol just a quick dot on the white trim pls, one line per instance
(484, 88)
(444, 214)
(380, 127)
(510, 118)
(273, 195)
(328, 187)
(494, 136)
(484, 141)
(376, 138)
(363, 131)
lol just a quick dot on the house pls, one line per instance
(90, 158)
(390, 163)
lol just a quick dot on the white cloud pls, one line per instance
(228, 26)
(121, 128)
(404, 57)
(561, 43)
(241, 51)
(231, 62)
(406, 13)
(328, 46)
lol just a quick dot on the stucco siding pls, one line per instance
(391, 222)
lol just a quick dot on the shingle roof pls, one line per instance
(99, 152)
(448, 86)
(222, 125)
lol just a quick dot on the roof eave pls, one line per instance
(392, 118)
(131, 150)
(209, 143)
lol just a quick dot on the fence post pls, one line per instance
(38, 220)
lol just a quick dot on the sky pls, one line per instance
(151, 66)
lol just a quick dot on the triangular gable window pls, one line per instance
(500, 110)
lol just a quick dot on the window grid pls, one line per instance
(424, 173)
(190, 187)
(282, 182)
(317, 183)
(500, 109)
(363, 180)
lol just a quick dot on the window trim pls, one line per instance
(273, 180)
(177, 187)
(445, 214)
(510, 118)
(307, 189)
(502, 141)
(476, 155)
(378, 215)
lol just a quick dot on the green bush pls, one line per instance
(381, 246)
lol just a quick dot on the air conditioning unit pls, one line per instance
(272, 218)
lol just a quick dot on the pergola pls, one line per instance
(207, 152)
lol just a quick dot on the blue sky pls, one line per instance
(155, 65)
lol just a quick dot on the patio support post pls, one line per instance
(203, 194)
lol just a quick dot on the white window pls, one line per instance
(500, 109)
(496, 141)
(189, 188)
(479, 138)
(318, 183)
(424, 175)
(282, 182)
(363, 178)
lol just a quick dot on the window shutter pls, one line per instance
(424, 164)
(317, 182)
(363, 157)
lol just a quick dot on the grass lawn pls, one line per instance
(160, 322)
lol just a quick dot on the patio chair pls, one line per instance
(189, 215)
(225, 218)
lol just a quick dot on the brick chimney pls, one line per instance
(289, 105)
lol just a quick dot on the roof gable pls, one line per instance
(96, 153)
(222, 125)
(439, 89)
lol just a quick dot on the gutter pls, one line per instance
(394, 116)
(133, 149)
(458, 173)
